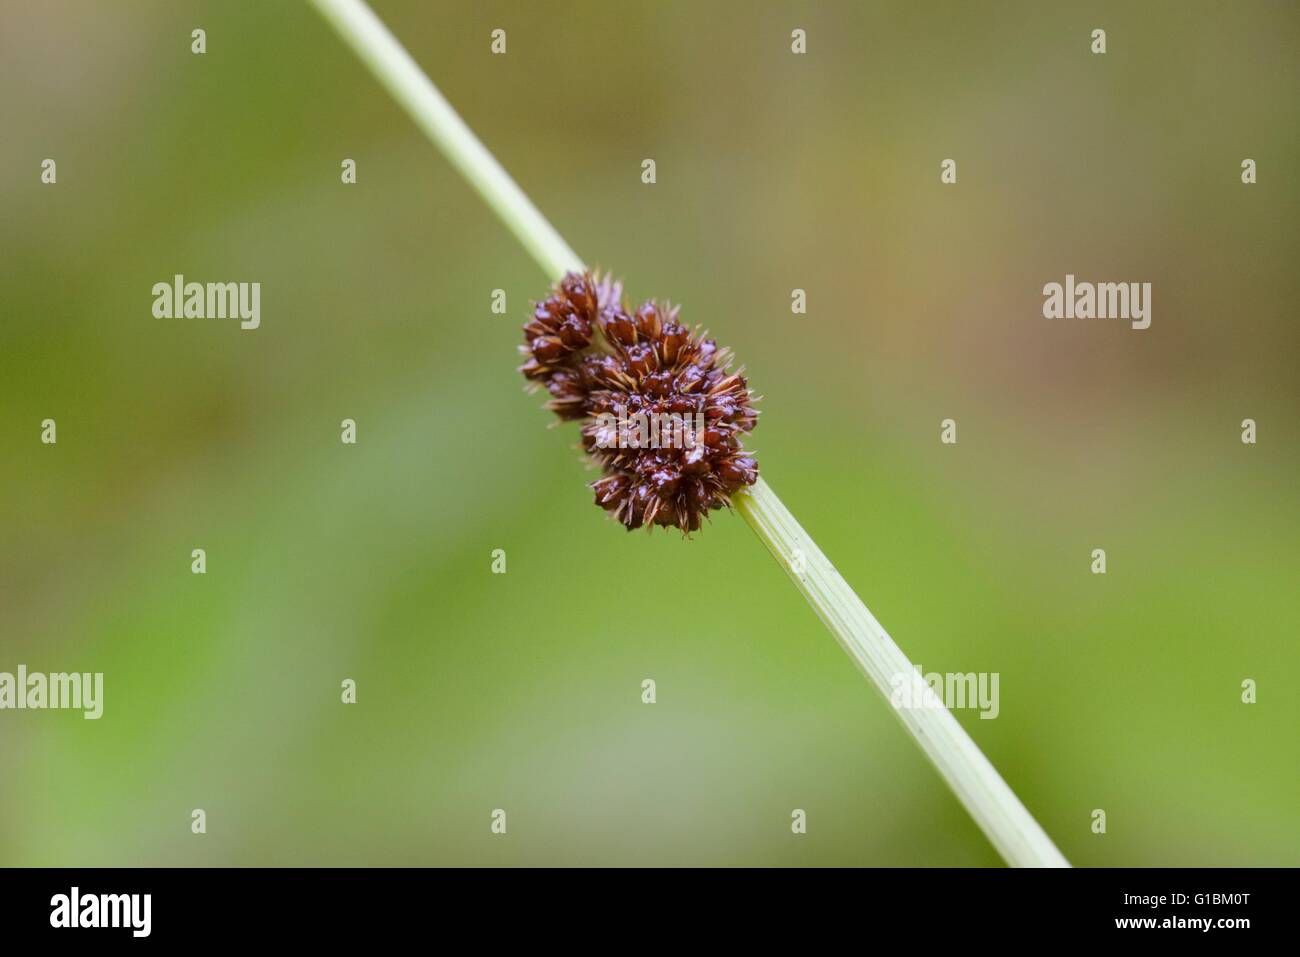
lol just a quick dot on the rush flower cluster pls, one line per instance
(601, 361)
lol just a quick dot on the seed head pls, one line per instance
(661, 413)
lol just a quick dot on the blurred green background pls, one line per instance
(522, 691)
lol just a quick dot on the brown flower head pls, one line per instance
(661, 413)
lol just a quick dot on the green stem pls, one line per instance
(388, 60)
(978, 786)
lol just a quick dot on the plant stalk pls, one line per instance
(977, 784)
